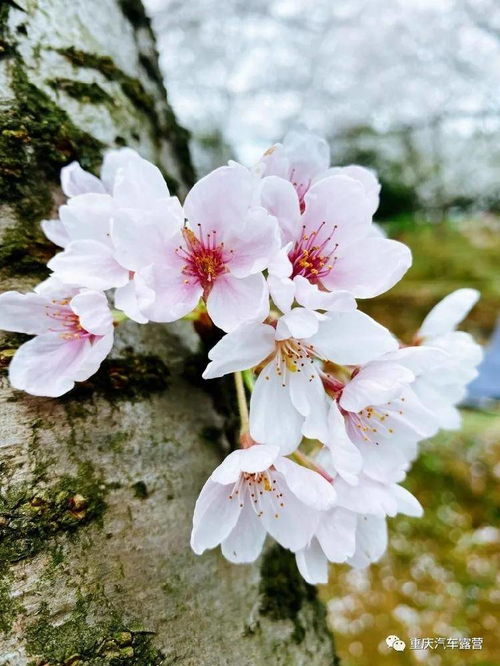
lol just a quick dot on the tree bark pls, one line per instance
(97, 488)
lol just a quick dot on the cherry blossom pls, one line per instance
(354, 530)
(218, 256)
(443, 385)
(253, 492)
(304, 158)
(74, 333)
(132, 192)
(289, 400)
(376, 420)
(331, 246)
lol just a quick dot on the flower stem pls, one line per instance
(304, 460)
(242, 402)
(248, 378)
(118, 317)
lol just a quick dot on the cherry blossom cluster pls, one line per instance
(276, 255)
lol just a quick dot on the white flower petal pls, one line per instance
(369, 267)
(138, 181)
(47, 364)
(352, 338)
(244, 543)
(448, 313)
(93, 311)
(24, 313)
(94, 356)
(308, 486)
(297, 323)
(336, 534)
(215, 516)
(273, 417)
(371, 541)
(279, 198)
(55, 232)
(233, 301)
(90, 264)
(345, 457)
(311, 297)
(312, 563)
(75, 180)
(241, 349)
(407, 503)
(220, 201)
(376, 383)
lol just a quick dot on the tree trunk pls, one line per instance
(98, 487)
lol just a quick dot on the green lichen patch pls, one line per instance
(132, 88)
(284, 592)
(87, 93)
(37, 138)
(163, 124)
(9, 607)
(128, 376)
(30, 515)
(78, 642)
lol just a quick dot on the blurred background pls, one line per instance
(410, 88)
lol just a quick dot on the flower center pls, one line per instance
(205, 258)
(69, 326)
(312, 258)
(256, 484)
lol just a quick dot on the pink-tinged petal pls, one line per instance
(55, 232)
(308, 155)
(114, 161)
(244, 543)
(407, 503)
(282, 291)
(369, 267)
(352, 338)
(133, 298)
(376, 383)
(290, 522)
(273, 417)
(93, 311)
(89, 263)
(311, 297)
(138, 181)
(448, 313)
(312, 563)
(46, 365)
(220, 201)
(215, 516)
(279, 198)
(24, 313)
(309, 399)
(345, 457)
(75, 180)
(233, 301)
(53, 289)
(366, 177)
(371, 541)
(94, 356)
(174, 295)
(308, 486)
(139, 244)
(280, 265)
(298, 323)
(241, 349)
(274, 162)
(252, 244)
(88, 216)
(336, 534)
(338, 202)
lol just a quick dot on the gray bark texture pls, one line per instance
(98, 487)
